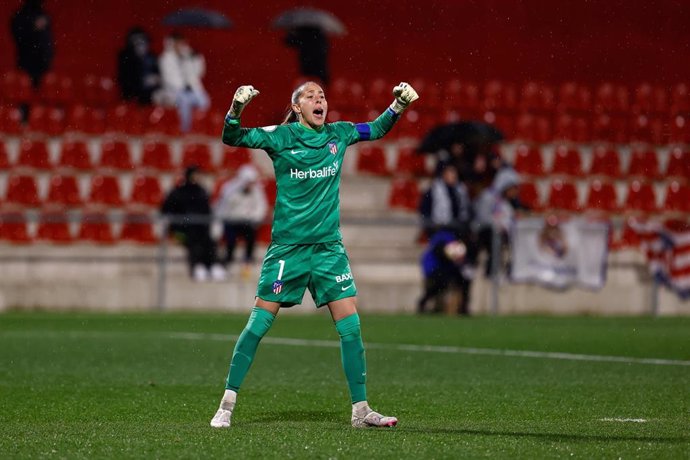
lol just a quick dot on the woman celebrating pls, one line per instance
(306, 250)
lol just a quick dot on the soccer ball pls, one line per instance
(455, 251)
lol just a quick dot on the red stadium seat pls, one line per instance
(75, 154)
(680, 99)
(574, 98)
(605, 162)
(677, 197)
(263, 235)
(115, 155)
(208, 123)
(125, 119)
(650, 100)
(53, 226)
(96, 228)
(197, 154)
(612, 99)
(499, 97)
(83, 119)
(566, 160)
(537, 98)
(463, 97)
(411, 162)
(371, 159)
(64, 190)
(379, 93)
(22, 190)
(610, 128)
(156, 155)
(641, 197)
(46, 120)
(163, 121)
(404, 194)
(34, 154)
(10, 120)
(529, 196)
(105, 190)
(602, 196)
(234, 157)
(431, 91)
(271, 190)
(528, 160)
(4, 159)
(563, 196)
(678, 163)
(16, 87)
(680, 128)
(98, 91)
(56, 90)
(137, 228)
(344, 95)
(652, 130)
(13, 227)
(571, 128)
(146, 191)
(644, 164)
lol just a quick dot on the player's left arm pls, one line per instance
(404, 96)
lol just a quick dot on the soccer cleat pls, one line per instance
(365, 418)
(221, 419)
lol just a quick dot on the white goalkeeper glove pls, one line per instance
(243, 95)
(404, 96)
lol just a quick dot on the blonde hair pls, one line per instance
(290, 115)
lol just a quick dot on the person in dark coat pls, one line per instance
(137, 68)
(33, 38)
(442, 266)
(446, 205)
(312, 45)
(186, 203)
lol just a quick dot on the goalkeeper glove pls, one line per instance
(243, 95)
(404, 96)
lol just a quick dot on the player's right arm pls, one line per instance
(233, 134)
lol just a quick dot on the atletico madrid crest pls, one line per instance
(333, 147)
(277, 286)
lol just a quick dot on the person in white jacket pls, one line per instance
(181, 72)
(242, 206)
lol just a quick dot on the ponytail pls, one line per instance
(290, 115)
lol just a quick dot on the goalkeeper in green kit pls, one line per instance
(306, 251)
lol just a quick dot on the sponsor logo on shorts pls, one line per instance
(277, 286)
(344, 277)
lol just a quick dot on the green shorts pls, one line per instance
(289, 269)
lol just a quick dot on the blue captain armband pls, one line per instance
(364, 131)
(392, 113)
(230, 119)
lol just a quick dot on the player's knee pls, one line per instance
(260, 321)
(349, 327)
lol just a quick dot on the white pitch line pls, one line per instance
(379, 346)
(624, 420)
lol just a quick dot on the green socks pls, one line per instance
(352, 352)
(259, 323)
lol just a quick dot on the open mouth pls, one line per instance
(318, 113)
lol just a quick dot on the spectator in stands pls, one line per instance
(189, 209)
(446, 204)
(496, 205)
(442, 265)
(137, 68)
(312, 45)
(182, 69)
(242, 206)
(33, 37)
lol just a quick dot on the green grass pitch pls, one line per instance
(146, 385)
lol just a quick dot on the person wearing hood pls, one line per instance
(137, 68)
(181, 71)
(33, 37)
(496, 206)
(242, 206)
(446, 204)
(188, 206)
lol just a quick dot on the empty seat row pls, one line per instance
(606, 161)
(118, 155)
(15, 88)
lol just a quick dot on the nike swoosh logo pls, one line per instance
(345, 288)
(296, 151)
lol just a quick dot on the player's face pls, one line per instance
(312, 106)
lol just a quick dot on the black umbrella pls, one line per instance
(197, 17)
(467, 133)
(309, 17)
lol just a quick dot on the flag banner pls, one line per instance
(667, 247)
(559, 254)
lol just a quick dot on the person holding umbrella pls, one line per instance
(306, 251)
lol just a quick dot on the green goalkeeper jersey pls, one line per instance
(307, 166)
